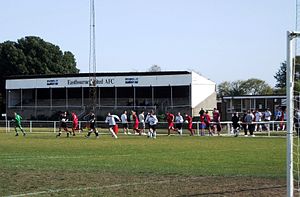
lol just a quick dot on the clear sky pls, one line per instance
(222, 39)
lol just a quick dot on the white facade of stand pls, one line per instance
(201, 87)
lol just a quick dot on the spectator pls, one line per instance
(249, 121)
(244, 125)
(297, 122)
(235, 124)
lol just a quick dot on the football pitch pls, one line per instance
(42, 165)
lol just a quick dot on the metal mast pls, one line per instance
(92, 60)
(297, 44)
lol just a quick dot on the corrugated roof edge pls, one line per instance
(104, 74)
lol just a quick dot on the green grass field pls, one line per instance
(42, 165)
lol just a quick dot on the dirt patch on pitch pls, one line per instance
(107, 184)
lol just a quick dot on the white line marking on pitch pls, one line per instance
(85, 188)
(58, 157)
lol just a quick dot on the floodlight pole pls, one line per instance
(290, 112)
(92, 60)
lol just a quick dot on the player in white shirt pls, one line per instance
(178, 123)
(124, 121)
(267, 118)
(142, 122)
(258, 116)
(152, 121)
(110, 119)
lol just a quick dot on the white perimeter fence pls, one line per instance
(53, 126)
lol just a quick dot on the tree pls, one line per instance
(228, 88)
(248, 87)
(280, 76)
(256, 87)
(32, 55)
(154, 68)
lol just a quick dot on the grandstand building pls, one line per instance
(242, 103)
(43, 96)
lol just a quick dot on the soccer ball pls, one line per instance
(186, 121)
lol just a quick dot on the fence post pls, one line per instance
(198, 128)
(229, 128)
(54, 127)
(30, 126)
(79, 127)
(8, 126)
(273, 126)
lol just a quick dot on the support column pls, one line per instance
(134, 97)
(116, 97)
(82, 97)
(7, 101)
(35, 105)
(51, 102)
(266, 103)
(152, 95)
(67, 102)
(21, 97)
(99, 97)
(171, 89)
(241, 105)
(190, 96)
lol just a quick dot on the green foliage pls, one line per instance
(154, 68)
(256, 87)
(280, 77)
(32, 55)
(248, 87)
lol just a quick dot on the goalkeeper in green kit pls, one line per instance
(17, 120)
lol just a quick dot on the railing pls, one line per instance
(52, 126)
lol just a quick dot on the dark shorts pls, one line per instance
(63, 124)
(178, 126)
(142, 125)
(207, 124)
(153, 127)
(235, 125)
(93, 126)
(18, 125)
(125, 125)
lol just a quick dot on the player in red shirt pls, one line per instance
(170, 120)
(135, 120)
(216, 120)
(202, 124)
(207, 121)
(75, 125)
(189, 120)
